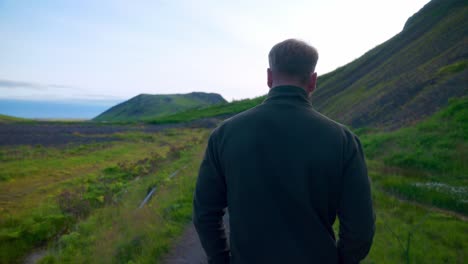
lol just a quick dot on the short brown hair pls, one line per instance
(293, 58)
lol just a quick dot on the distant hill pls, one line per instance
(146, 106)
(406, 78)
(210, 111)
(399, 82)
(11, 119)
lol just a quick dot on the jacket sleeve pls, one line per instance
(209, 207)
(355, 211)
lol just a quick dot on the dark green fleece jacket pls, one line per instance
(284, 172)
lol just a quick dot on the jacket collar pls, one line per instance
(287, 93)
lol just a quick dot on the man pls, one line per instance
(284, 172)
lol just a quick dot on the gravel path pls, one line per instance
(35, 256)
(188, 249)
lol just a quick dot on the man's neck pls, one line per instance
(295, 84)
(276, 84)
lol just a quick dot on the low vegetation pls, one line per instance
(420, 189)
(427, 162)
(45, 191)
(121, 233)
(410, 233)
(453, 68)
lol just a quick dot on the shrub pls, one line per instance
(72, 202)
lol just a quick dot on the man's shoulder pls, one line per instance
(234, 123)
(314, 118)
(330, 122)
(240, 118)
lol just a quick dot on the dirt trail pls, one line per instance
(35, 256)
(188, 249)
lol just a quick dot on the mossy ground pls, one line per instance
(416, 171)
(47, 190)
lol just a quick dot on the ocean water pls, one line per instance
(77, 109)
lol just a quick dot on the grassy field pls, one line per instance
(80, 201)
(411, 233)
(428, 162)
(420, 188)
(45, 191)
(120, 233)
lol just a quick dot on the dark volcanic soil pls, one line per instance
(53, 134)
(56, 134)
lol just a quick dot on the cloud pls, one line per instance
(23, 90)
(60, 86)
(16, 84)
(9, 84)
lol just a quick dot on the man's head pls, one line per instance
(292, 62)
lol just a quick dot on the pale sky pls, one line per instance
(110, 50)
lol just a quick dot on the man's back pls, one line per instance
(284, 171)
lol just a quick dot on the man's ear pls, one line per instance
(312, 83)
(269, 78)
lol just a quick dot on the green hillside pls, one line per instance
(11, 119)
(427, 162)
(145, 106)
(419, 188)
(401, 81)
(406, 78)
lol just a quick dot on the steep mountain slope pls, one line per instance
(146, 106)
(407, 77)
